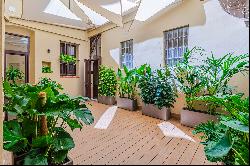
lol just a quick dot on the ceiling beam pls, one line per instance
(94, 5)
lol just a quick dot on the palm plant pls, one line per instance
(43, 114)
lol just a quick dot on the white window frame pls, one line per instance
(126, 54)
(175, 44)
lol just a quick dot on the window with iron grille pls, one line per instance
(126, 57)
(68, 49)
(176, 43)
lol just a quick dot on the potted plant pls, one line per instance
(107, 86)
(227, 140)
(127, 84)
(158, 93)
(14, 74)
(46, 69)
(207, 78)
(38, 136)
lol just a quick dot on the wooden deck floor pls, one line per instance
(133, 139)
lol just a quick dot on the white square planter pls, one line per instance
(153, 111)
(127, 104)
(192, 118)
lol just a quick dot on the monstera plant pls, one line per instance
(227, 140)
(43, 114)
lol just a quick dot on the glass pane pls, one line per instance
(180, 41)
(176, 52)
(176, 33)
(185, 41)
(186, 31)
(170, 35)
(175, 43)
(180, 32)
(17, 43)
(170, 45)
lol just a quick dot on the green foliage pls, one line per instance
(190, 77)
(107, 82)
(128, 81)
(228, 139)
(46, 69)
(67, 58)
(157, 87)
(25, 134)
(219, 71)
(14, 74)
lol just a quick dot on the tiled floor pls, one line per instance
(133, 138)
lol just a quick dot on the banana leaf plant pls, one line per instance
(227, 141)
(127, 82)
(218, 73)
(190, 77)
(43, 116)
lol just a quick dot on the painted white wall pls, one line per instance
(221, 34)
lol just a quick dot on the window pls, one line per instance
(127, 54)
(68, 49)
(176, 43)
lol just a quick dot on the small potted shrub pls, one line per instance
(107, 86)
(38, 136)
(206, 79)
(46, 69)
(158, 93)
(127, 84)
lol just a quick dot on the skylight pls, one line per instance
(95, 18)
(148, 8)
(116, 7)
(56, 7)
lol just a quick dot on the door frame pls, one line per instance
(13, 52)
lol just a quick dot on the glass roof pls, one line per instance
(148, 8)
(56, 7)
(95, 18)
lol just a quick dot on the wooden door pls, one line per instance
(88, 78)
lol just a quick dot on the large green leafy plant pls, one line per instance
(107, 85)
(43, 114)
(158, 88)
(219, 71)
(14, 74)
(127, 82)
(190, 77)
(227, 140)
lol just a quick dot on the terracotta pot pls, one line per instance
(194, 118)
(153, 111)
(127, 104)
(108, 100)
(18, 159)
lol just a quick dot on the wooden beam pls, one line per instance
(94, 5)
(2, 36)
